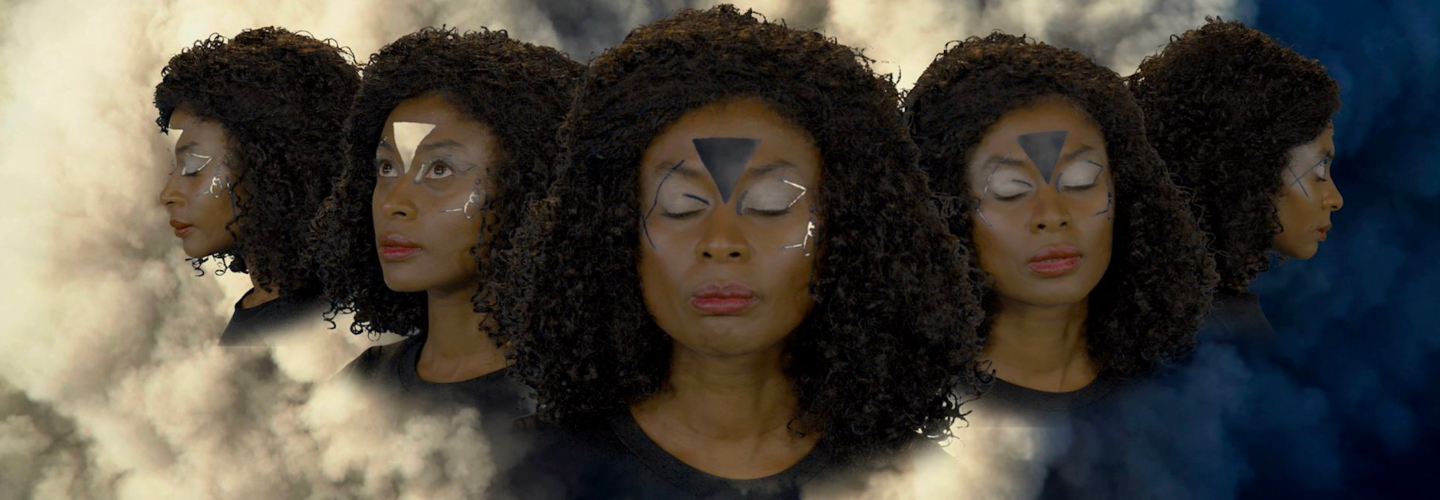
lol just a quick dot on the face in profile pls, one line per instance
(728, 197)
(197, 193)
(429, 202)
(1308, 198)
(1046, 204)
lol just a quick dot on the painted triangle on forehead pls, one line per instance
(725, 159)
(407, 138)
(1043, 148)
(173, 136)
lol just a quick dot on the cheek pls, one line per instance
(993, 247)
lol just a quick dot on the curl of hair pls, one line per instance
(282, 98)
(517, 90)
(1224, 104)
(894, 317)
(1147, 307)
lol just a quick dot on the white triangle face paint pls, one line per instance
(408, 136)
(173, 136)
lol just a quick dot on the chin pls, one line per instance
(404, 285)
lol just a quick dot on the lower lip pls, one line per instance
(1056, 267)
(397, 253)
(180, 233)
(1321, 234)
(729, 305)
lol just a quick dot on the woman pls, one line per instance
(1092, 270)
(737, 283)
(255, 125)
(450, 134)
(1245, 124)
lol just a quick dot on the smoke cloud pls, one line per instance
(111, 386)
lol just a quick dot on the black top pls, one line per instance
(499, 398)
(250, 327)
(612, 457)
(1039, 407)
(1237, 319)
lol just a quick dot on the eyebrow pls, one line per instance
(448, 143)
(771, 167)
(1077, 152)
(678, 167)
(1002, 160)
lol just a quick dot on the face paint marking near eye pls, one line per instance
(471, 206)
(986, 190)
(805, 243)
(1109, 192)
(1043, 148)
(725, 159)
(798, 196)
(215, 187)
(408, 136)
(645, 222)
(192, 170)
(173, 137)
(1301, 176)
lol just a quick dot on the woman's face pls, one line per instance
(729, 218)
(1309, 196)
(197, 193)
(429, 202)
(1046, 212)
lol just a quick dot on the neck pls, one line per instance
(726, 397)
(258, 294)
(1040, 347)
(455, 347)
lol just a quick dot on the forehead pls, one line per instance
(450, 122)
(195, 126)
(779, 139)
(1044, 116)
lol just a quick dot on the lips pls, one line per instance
(181, 228)
(396, 247)
(1322, 232)
(1055, 260)
(722, 298)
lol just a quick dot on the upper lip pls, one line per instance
(1325, 227)
(723, 291)
(1055, 252)
(396, 240)
(178, 225)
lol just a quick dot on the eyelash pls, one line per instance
(682, 215)
(439, 165)
(380, 168)
(768, 213)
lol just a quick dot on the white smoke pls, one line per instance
(110, 383)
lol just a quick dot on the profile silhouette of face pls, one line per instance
(728, 197)
(1308, 198)
(197, 194)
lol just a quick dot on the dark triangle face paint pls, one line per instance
(1043, 148)
(725, 159)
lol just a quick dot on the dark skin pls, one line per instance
(196, 195)
(1037, 338)
(1309, 197)
(727, 406)
(424, 207)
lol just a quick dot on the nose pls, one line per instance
(170, 193)
(396, 200)
(1332, 200)
(722, 241)
(1050, 214)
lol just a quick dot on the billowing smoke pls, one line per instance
(111, 387)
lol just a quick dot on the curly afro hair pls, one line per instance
(519, 90)
(1224, 104)
(894, 315)
(1146, 309)
(282, 98)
